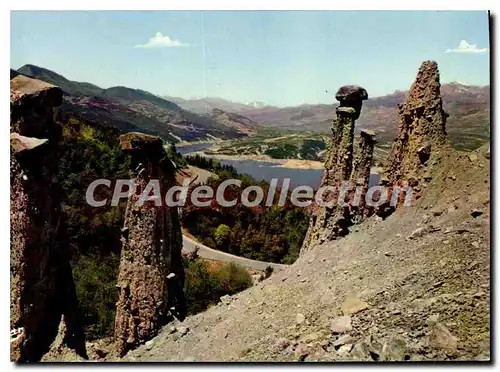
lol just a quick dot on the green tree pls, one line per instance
(95, 281)
(221, 235)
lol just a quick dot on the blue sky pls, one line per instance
(282, 58)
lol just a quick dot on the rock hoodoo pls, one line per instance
(421, 137)
(42, 287)
(361, 174)
(417, 149)
(352, 96)
(328, 222)
(151, 268)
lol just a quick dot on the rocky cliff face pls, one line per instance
(422, 129)
(329, 222)
(151, 275)
(42, 288)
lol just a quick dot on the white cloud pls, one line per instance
(160, 41)
(465, 47)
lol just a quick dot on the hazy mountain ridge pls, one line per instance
(468, 106)
(239, 122)
(177, 119)
(134, 110)
(207, 104)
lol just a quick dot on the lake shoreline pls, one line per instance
(186, 143)
(206, 149)
(280, 163)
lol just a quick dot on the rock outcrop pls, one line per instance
(421, 138)
(151, 268)
(360, 176)
(417, 150)
(331, 221)
(42, 287)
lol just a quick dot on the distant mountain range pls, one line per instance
(468, 106)
(207, 104)
(178, 119)
(136, 110)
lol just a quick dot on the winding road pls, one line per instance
(189, 245)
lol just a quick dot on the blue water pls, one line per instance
(263, 170)
(267, 170)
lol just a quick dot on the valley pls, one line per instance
(112, 132)
(251, 187)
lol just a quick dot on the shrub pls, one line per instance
(209, 242)
(204, 287)
(234, 278)
(268, 272)
(201, 288)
